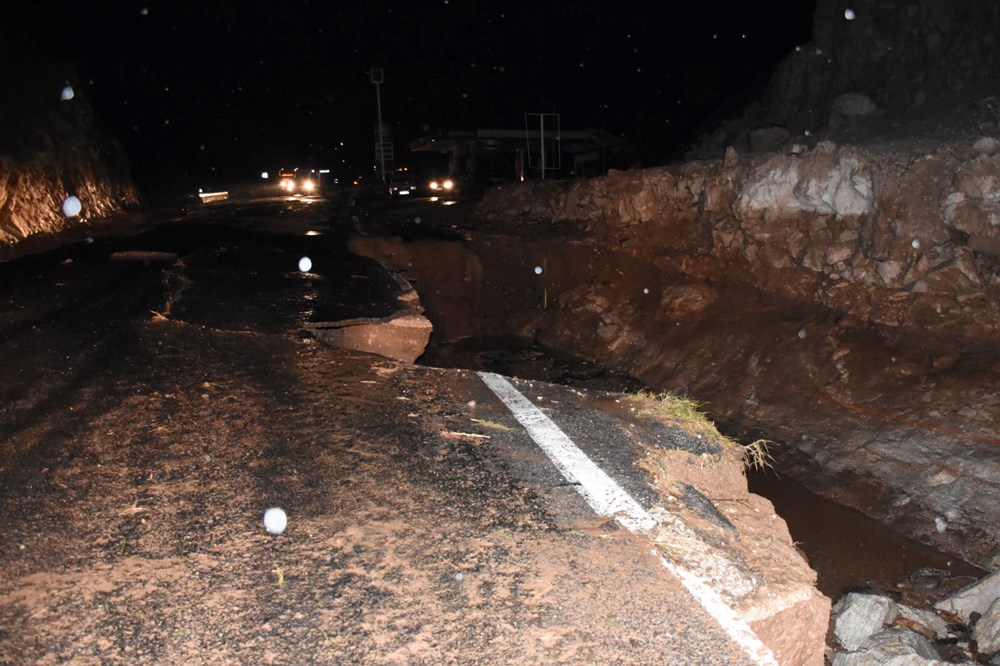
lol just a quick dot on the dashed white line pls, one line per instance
(608, 499)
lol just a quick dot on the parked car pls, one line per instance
(402, 184)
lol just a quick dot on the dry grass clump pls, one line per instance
(685, 414)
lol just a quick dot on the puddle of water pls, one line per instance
(848, 549)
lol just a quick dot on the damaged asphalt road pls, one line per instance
(154, 407)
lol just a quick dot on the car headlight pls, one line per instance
(448, 184)
(288, 185)
(435, 185)
(308, 186)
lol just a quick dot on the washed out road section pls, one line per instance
(142, 444)
(608, 499)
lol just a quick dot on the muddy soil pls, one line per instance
(155, 407)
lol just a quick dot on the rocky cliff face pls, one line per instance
(52, 148)
(897, 71)
(909, 242)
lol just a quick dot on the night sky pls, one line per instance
(224, 88)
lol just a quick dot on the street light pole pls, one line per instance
(378, 76)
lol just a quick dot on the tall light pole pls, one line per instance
(378, 76)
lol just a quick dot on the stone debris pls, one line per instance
(987, 630)
(976, 598)
(964, 629)
(987, 145)
(859, 616)
(849, 108)
(916, 619)
(403, 337)
(891, 647)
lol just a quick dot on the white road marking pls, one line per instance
(608, 499)
(602, 492)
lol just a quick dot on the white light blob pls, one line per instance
(67, 94)
(802, 334)
(849, 14)
(916, 243)
(71, 206)
(275, 521)
(645, 290)
(538, 270)
(305, 264)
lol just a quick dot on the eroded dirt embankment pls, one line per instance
(52, 147)
(838, 301)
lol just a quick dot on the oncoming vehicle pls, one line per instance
(441, 186)
(292, 182)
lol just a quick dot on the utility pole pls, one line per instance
(541, 135)
(378, 76)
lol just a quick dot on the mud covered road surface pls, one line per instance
(159, 394)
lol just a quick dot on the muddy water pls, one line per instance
(847, 549)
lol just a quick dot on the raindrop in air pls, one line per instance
(305, 264)
(802, 334)
(646, 290)
(849, 14)
(144, 11)
(916, 243)
(71, 206)
(67, 94)
(275, 521)
(538, 270)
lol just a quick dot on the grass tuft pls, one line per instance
(757, 456)
(685, 413)
(681, 412)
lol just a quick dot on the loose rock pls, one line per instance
(976, 598)
(987, 631)
(859, 616)
(891, 647)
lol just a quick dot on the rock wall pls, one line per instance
(909, 242)
(51, 148)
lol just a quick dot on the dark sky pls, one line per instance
(252, 84)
